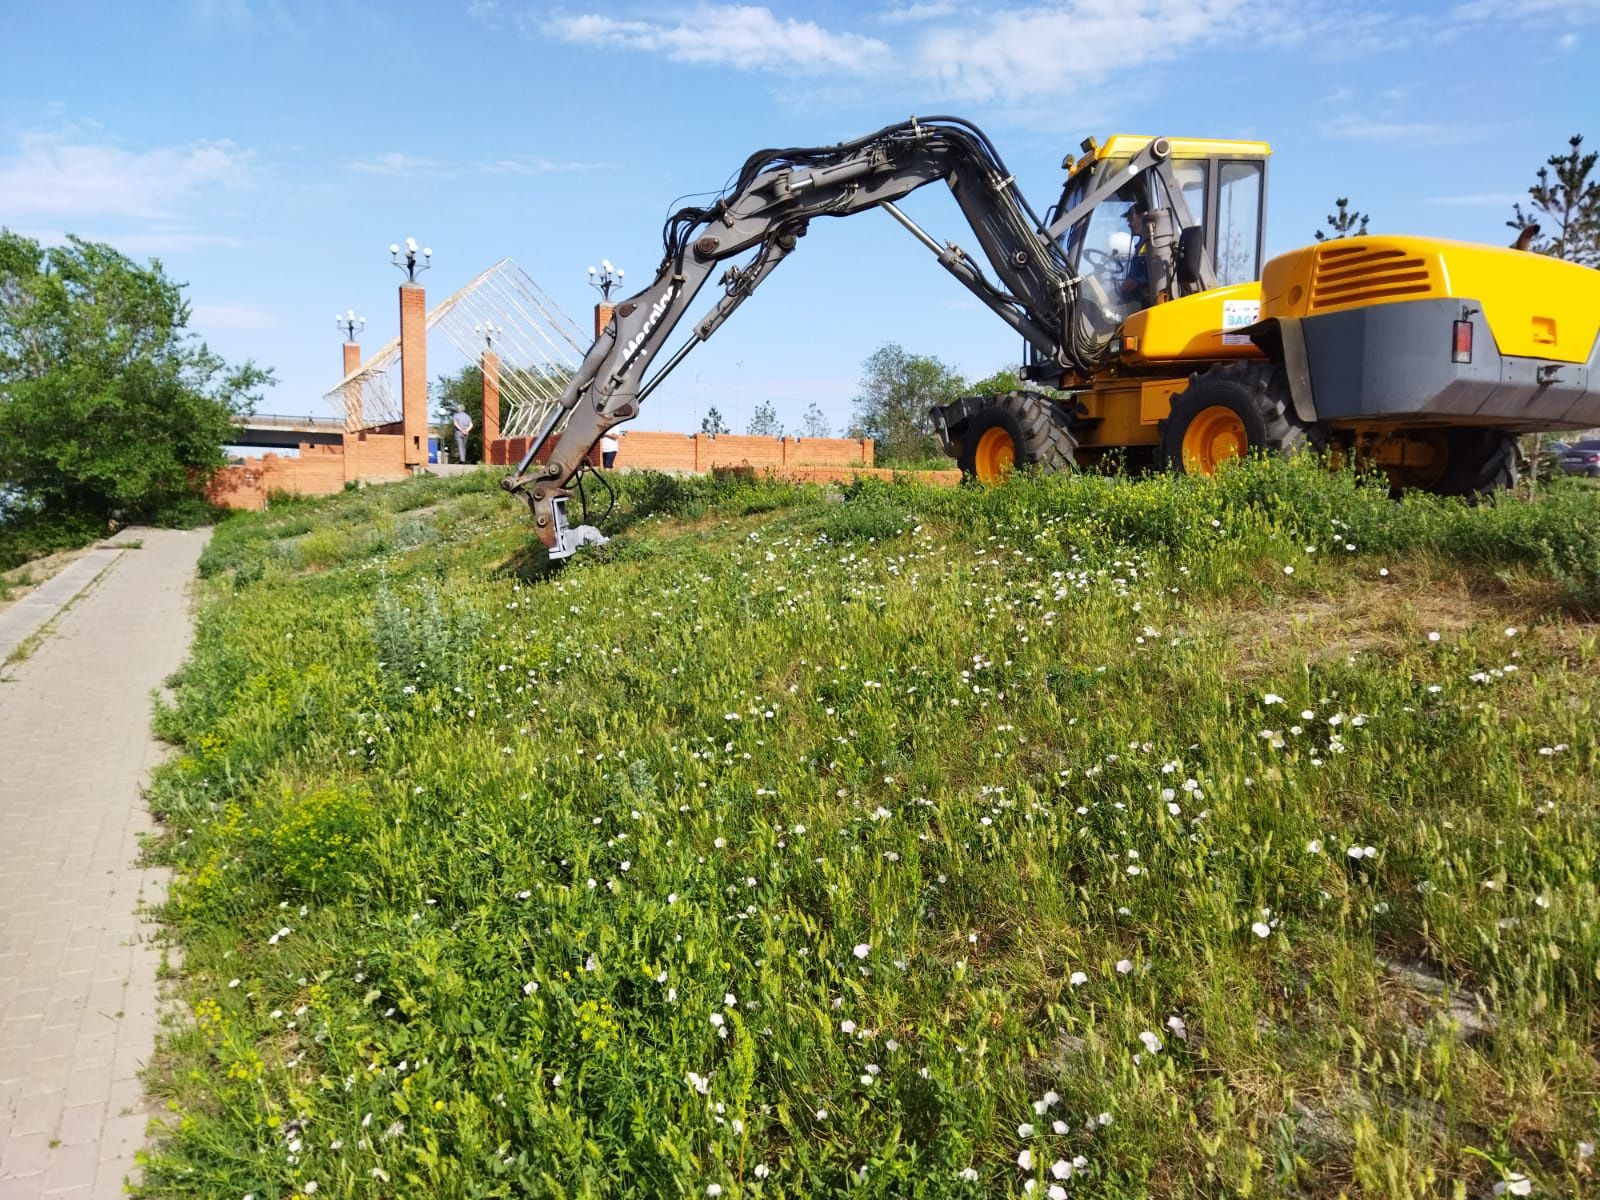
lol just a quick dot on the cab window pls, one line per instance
(1238, 250)
(1110, 255)
(1191, 174)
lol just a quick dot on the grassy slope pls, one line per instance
(819, 807)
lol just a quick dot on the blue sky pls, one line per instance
(268, 151)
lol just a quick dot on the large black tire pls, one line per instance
(1477, 462)
(1040, 430)
(1257, 394)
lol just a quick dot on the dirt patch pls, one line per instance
(1390, 614)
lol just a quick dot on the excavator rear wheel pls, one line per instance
(1229, 411)
(1016, 429)
(1467, 462)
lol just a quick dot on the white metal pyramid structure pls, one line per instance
(537, 343)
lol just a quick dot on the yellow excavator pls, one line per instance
(1152, 327)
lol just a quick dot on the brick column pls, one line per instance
(491, 400)
(602, 317)
(352, 392)
(414, 373)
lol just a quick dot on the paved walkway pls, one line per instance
(77, 965)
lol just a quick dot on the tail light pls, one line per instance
(1461, 342)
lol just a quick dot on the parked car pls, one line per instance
(1582, 458)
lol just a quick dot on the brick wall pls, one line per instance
(374, 457)
(365, 457)
(508, 452)
(645, 449)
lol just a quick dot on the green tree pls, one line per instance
(1343, 222)
(815, 423)
(713, 422)
(108, 407)
(1567, 206)
(764, 422)
(1002, 381)
(897, 390)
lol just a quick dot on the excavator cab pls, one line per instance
(1217, 230)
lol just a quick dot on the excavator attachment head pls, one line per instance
(549, 507)
(570, 537)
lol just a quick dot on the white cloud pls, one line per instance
(236, 16)
(1008, 56)
(1056, 50)
(233, 318)
(1481, 199)
(907, 14)
(745, 37)
(1522, 11)
(52, 175)
(486, 12)
(1372, 129)
(532, 164)
(398, 164)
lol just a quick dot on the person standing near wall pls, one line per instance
(608, 449)
(463, 426)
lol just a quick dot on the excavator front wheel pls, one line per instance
(1215, 435)
(995, 455)
(1001, 434)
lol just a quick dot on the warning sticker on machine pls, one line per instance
(1237, 314)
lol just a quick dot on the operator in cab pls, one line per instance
(1136, 275)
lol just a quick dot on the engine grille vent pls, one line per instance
(1362, 274)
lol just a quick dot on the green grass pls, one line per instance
(799, 846)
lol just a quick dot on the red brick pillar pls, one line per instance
(352, 392)
(602, 317)
(491, 401)
(414, 373)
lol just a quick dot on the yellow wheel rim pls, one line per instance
(1215, 435)
(996, 455)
